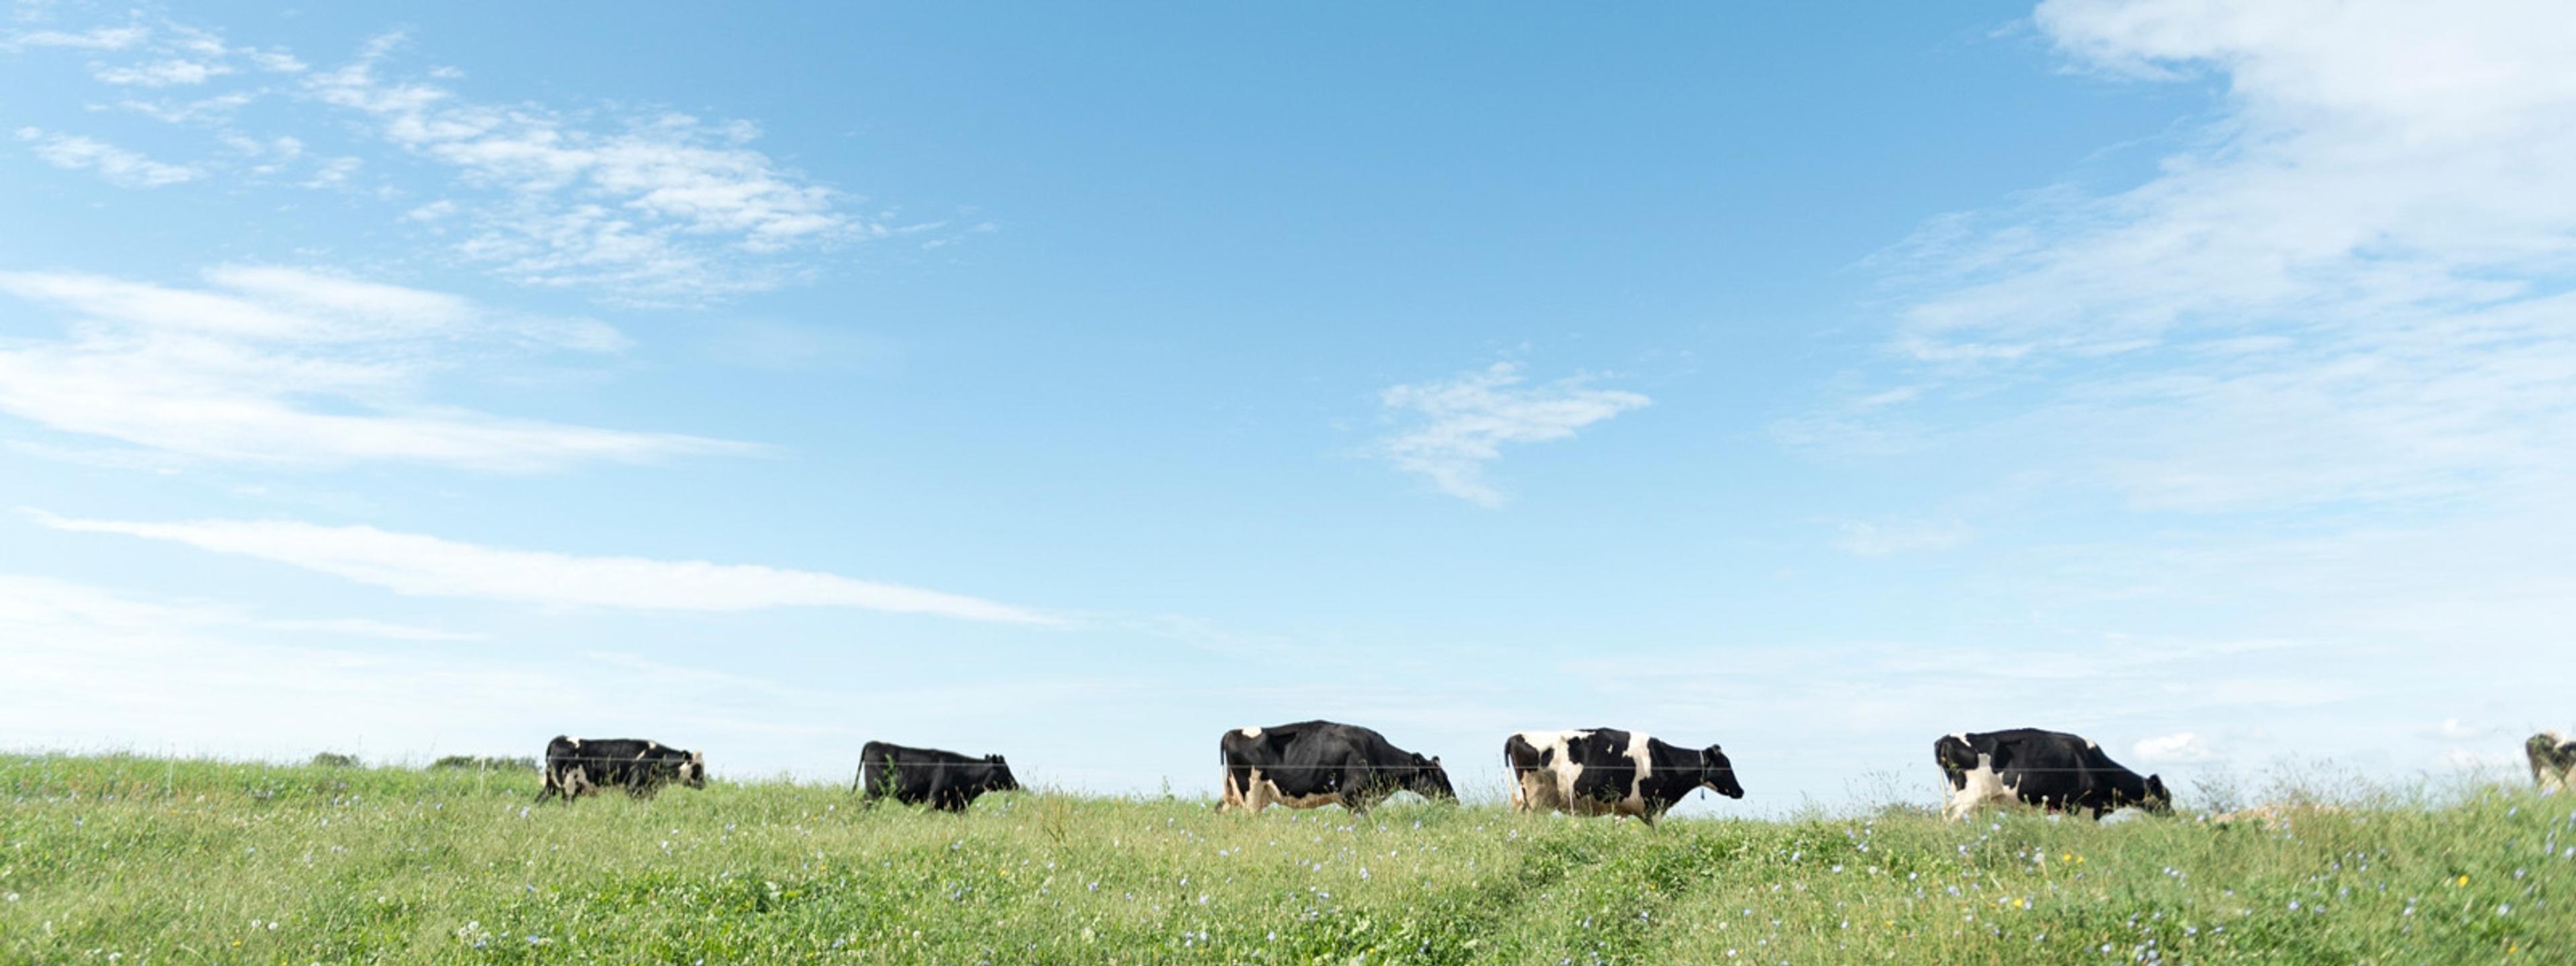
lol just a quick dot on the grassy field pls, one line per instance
(133, 861)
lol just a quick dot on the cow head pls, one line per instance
(1429, 780)
(1956, 758)
(1718, 773)
(2157, 800)
(693, 772)
(998, 778)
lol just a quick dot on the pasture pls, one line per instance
(133, 861)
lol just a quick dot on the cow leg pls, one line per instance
(1960, 807)
(1229, 798)
(1256, 794)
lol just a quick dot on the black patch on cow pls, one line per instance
(1609, 774)
(1319, 757)
(947, 780)
(640, 766)
(2053, 770)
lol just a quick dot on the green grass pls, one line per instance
(132, 861)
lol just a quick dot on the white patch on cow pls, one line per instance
(1982, 785)
(576, 744)
(2551, 775)
(1248, 732)
(1640, 753)
(1265, 793)
(1550, 789)
(2090, 746)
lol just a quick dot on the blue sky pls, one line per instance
(1078, 384)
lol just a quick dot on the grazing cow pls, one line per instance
(578, 765)
(1606, 771)
(2050, 769)
(947, 780)
(1311, 764)
(2553, 760)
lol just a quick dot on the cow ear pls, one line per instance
(1435, 759)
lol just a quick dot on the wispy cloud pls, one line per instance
(120, 167)
(97, 38)
(1462, 423)
(663, 206)
(431, 567)
(27, 600)
(2352, 288)
(164, 73)
(638, 206)
(2453, 729)
(1894, 537)
(2181, 746)
(293, 367)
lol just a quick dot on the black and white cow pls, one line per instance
(2553, 761)
(578, 765)
(1311, 764)
(1606, 771)
(947, 780)
(2051, 769)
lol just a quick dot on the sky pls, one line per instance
(1077, 384)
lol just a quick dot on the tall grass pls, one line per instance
(131, 861)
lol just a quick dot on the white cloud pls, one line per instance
(363, 627)
(666, 207)
(28, 601)
(639, 206)
(2452, 729)
(117, 165)
(2181, 746)
(249, 370)
(430, 567)
(2349, 289)
(1466, 420)
(217, 108)
(1894, 537)
(99, 38)
(164, 73)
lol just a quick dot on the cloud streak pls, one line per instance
(669, 206)
(2350, 289)
(1463, 423)
(1883, 539)
(647, 207)
(424, 566)
(290, 367)
(118, 166)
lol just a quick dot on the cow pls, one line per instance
(947, 780)
(577, 765)
(2051, 769)
(1312, 764)
(1606, 771)
(2553, 760)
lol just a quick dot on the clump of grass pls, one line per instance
(183, 861)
